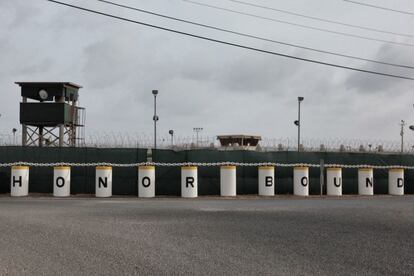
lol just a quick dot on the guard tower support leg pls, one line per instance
(62, 126)
(24, 128)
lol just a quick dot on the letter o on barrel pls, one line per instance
(61, 181)
(266, 181)
(103, 183)
(396, 182)
(334, 181)
(19, 181)
(189, 182)
(301, 181)
(366, 181)
(228, 180)
(146, 181)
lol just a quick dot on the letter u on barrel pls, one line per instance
(334, 181)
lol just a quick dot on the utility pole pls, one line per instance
(155, 118)
(297, 122)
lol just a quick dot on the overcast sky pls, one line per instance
(201, 84)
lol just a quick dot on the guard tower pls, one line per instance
(49, 114)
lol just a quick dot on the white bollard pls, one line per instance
(61, 181)
(146, 181)
(189, 182)
(366, 181)
(228, 180)
(396, 181)
(301, 181)
(334, 181)
(19, 185)
(103, 183)
(267, 181)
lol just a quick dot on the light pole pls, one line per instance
(197, 130)
(155, 118)
(14, 130)
(297, 122)
(171, 132)
(402, 135)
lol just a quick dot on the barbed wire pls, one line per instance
(113, 139)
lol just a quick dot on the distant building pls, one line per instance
(247, 142)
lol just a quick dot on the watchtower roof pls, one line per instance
(70, 84)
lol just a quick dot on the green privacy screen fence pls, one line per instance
(168, 178)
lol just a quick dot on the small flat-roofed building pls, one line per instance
(239, 141)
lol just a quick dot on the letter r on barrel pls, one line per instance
(189, 181)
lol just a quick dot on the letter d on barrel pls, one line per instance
(396, 182)
(61, 181)
(301, 181)
(146, 181)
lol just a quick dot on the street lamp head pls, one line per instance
(300, 99)
(14, 130)
(155, 92)
(171, 132)
(411, 127)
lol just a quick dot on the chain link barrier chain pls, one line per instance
(199, 164)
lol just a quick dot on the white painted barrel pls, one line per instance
(103, 182)
(366, 181)
(396, 181)
(266, 181)
(61, 181)
(146, 181)
(334, 181)
(301, 181)
(189, 181)
(228, 180)
(19, 185)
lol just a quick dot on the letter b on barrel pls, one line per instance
(266, 181)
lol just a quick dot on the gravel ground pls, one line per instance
(284, 235)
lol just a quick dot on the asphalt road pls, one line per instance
(207, 236)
